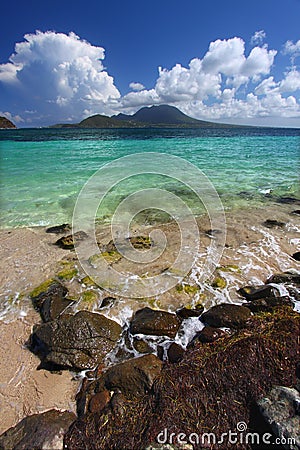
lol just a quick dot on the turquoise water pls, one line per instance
(42, 171)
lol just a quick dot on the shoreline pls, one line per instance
(251, 254)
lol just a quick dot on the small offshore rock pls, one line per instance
(268, 304)
(107, 301)
(209, 334)
(135, 377)
(280, 408)
(296, 256)
(226, 315)
(59, 229)
(288, 200)
(141, 346)
(256, 292)
(155, 323)
(285, 277)
(175, 353)
(272, 223)
(38, 431)
(296, 212)
(77, 341)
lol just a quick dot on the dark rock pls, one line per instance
(280, 408)
(175, 353)
(256, 292)
(185, 313)
(209, 334)
(141, 346)
(155, 323)
(118, 404)
(107, 301)
(272, 223)
(134, 378)
(296, 212)
(39, 431)
(68, 242)
(59, 229)
(49, 299)
(160, 352)
(226, 315)
(79, 342)
(285, 277)
(268, 304)
(99, 401)
(296, 256)
(288, 200)
(212, 389)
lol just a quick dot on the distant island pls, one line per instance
(5, 123)
(162, 116)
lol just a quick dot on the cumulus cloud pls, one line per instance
(136, 86)
(292, 49)
(258, 37)
(61, 73)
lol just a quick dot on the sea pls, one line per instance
(44, 170)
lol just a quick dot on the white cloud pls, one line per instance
(136, 86)
(258, 37)
(15, 119)
(61, 73)
(292, 49)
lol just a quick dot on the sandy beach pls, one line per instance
(253, 251)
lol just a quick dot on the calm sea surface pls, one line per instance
(43, 170)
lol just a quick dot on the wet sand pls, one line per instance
(28, 257)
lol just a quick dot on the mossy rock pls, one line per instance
(43, 287)
(88, 281)
(67, 273)
(219, 282)
(230, 268)
(190, 289)
(154, 303)
(110, 257)
(90, 297)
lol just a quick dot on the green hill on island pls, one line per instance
(162, 116)
(5, 123)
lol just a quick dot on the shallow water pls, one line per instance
(42, 171)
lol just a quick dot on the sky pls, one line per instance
(231, 62)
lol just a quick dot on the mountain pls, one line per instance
(5, 123)
(162, 116)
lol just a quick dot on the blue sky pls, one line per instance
(234, 62)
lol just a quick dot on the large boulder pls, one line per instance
(134, 378)
(50, 300)
(39, 431)
(226, 315)
(155, 323)
(268, 304)
(280, 409)
(256, 292)
(78, 342)
(285, 277)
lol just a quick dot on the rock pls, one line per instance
(209, 334)
(226, 315)
(268, 304)
(219, 282)
(99, 401)
(256, 292)
(285, 277)
(134, 378)
(187, 311)
(68, 242)
(141, 242)
(59, 229)
(296, 212)
(212, 233)
(6, 123)
(141, 346)
(175, 353)
(155, 323)
(288, 200)
(280, 408)
(296, 256)
(272, 223)
(78, 342)
(49, 298)
(39, 431)
(107, 301)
